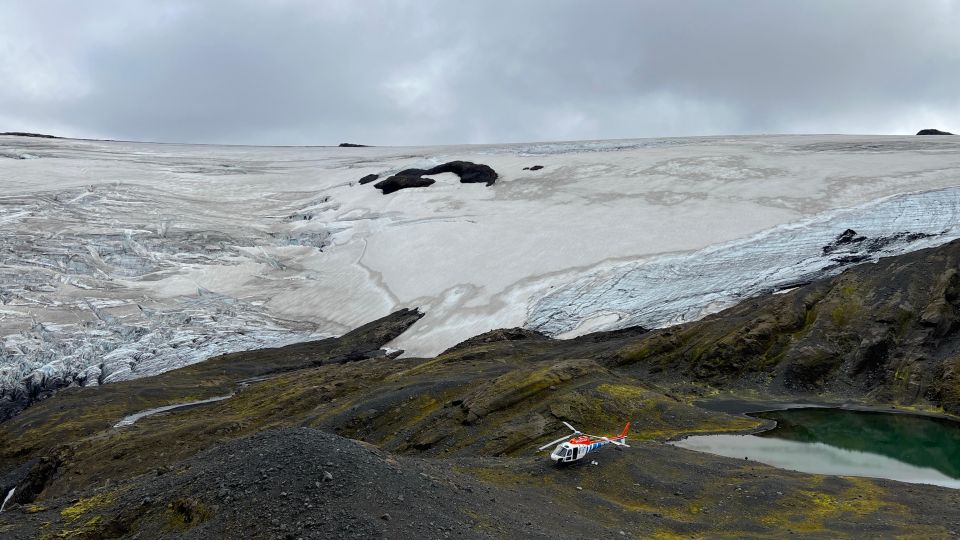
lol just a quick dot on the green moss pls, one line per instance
(85, 506)
(184, 513)
(816, 510)
(33, 508)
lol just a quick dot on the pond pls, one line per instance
(904, 447)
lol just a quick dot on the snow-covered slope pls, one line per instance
(119, 260)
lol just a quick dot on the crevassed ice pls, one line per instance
(662, 291)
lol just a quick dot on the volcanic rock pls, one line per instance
(396, 183)
(468, 172)
(26, 134)
(500, 334)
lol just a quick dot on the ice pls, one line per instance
(664, 291)
(120, 260)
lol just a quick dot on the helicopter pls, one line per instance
(581, 444)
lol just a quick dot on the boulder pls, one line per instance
(369, 178)
(396, 183)
(469, 173)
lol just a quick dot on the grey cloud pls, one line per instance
(419, 72)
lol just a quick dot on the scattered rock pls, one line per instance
(468, 172)
(534, 168)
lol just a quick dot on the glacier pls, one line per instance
(121, 260)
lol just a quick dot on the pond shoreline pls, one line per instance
(745, 407)
(847, 440)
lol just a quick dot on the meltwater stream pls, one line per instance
(903, 447)
(132, 419)
(7, 498)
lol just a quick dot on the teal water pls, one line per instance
(903, 447)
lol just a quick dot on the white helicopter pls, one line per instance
(581, 444)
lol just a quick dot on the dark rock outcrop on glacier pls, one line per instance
(367, 341)
(845, 238)
(933, 132)
(396, 183)
(27, 134)
(352, 145)
(369, 178)
(469, 173)
(533, 168)
(850, 247)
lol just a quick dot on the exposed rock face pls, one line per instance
(352, 145)
(933, 132)
(396, 183)
(847, 237)
(369, 178)
(498, 335)
(468, 172)
(366, 341)
(534, 168)
(850, 247)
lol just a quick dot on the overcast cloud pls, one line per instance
(449, 71)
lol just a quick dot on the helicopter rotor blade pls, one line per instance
(549, 444)
(573, 429)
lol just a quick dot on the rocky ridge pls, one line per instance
(881, 334)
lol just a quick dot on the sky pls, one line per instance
(411, 72)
